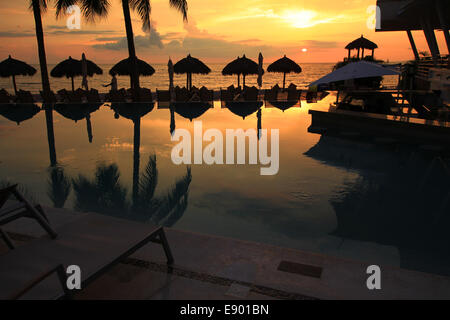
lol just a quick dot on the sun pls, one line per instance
(304, 50)
(300, 19)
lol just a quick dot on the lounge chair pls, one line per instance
(145, 95)
(206, 95)
(63, 95)
(182, 94)
(22, 209)
(50, 98)
(5, 96)
(93, 242)
(270, 95)
(117, 95)
(163, 95)
(93, 96)
(251, 94)
(24, 97)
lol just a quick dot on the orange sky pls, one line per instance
(217, 31)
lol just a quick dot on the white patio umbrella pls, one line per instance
(170, 70)
(355, 70)
(84, 71)
(260, 69)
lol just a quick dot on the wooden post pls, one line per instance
(349, 54)
(431, 38)
(444, 23)
(413, 44)
(239, 80)
(358, 52)
(187, 81)
(243, 81)
(14, 83)
(284, 80)
(362, 55)
(73, 86)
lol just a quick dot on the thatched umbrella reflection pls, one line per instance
(243, 108)
(188, 110)
(189, 66)
(78, 112)
(12, 68)
(72, 68)
(241, 66)
(283, 105)
(19, 112)
(124, 67)
(284, 65)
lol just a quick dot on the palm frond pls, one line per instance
(86, 196)
(181, 6)
(93, 9)
(62, 5)
(174, 197)
(177, 212)
(144, 9)
(148, 181)
(59, 187)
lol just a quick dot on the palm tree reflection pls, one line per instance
(106, 194)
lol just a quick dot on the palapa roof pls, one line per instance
(123, 68)
(242, 66)
(12, 67)
(361, 43)
(72, 68)
(284, 65)
(191, 65)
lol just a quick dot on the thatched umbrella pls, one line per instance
(19, 112)
(361, 43)
(72, 68)
(190, 65)
(124, 67)
(284, 65)
(12, 68)
(240, 66)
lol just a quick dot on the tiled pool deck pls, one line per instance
(210, 267)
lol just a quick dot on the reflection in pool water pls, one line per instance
(383, 205)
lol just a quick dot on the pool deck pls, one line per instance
(401, 128)
(211, 267)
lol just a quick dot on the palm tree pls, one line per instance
(93, 8)
(38, 7)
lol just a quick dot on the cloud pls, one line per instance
(152, 39)
(14, 34)
(316, 44)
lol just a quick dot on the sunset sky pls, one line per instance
(217, 31)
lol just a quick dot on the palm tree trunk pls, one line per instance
(45, 80)
(131, 47)
(136, 160)
(41, 47)
(14, 84)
